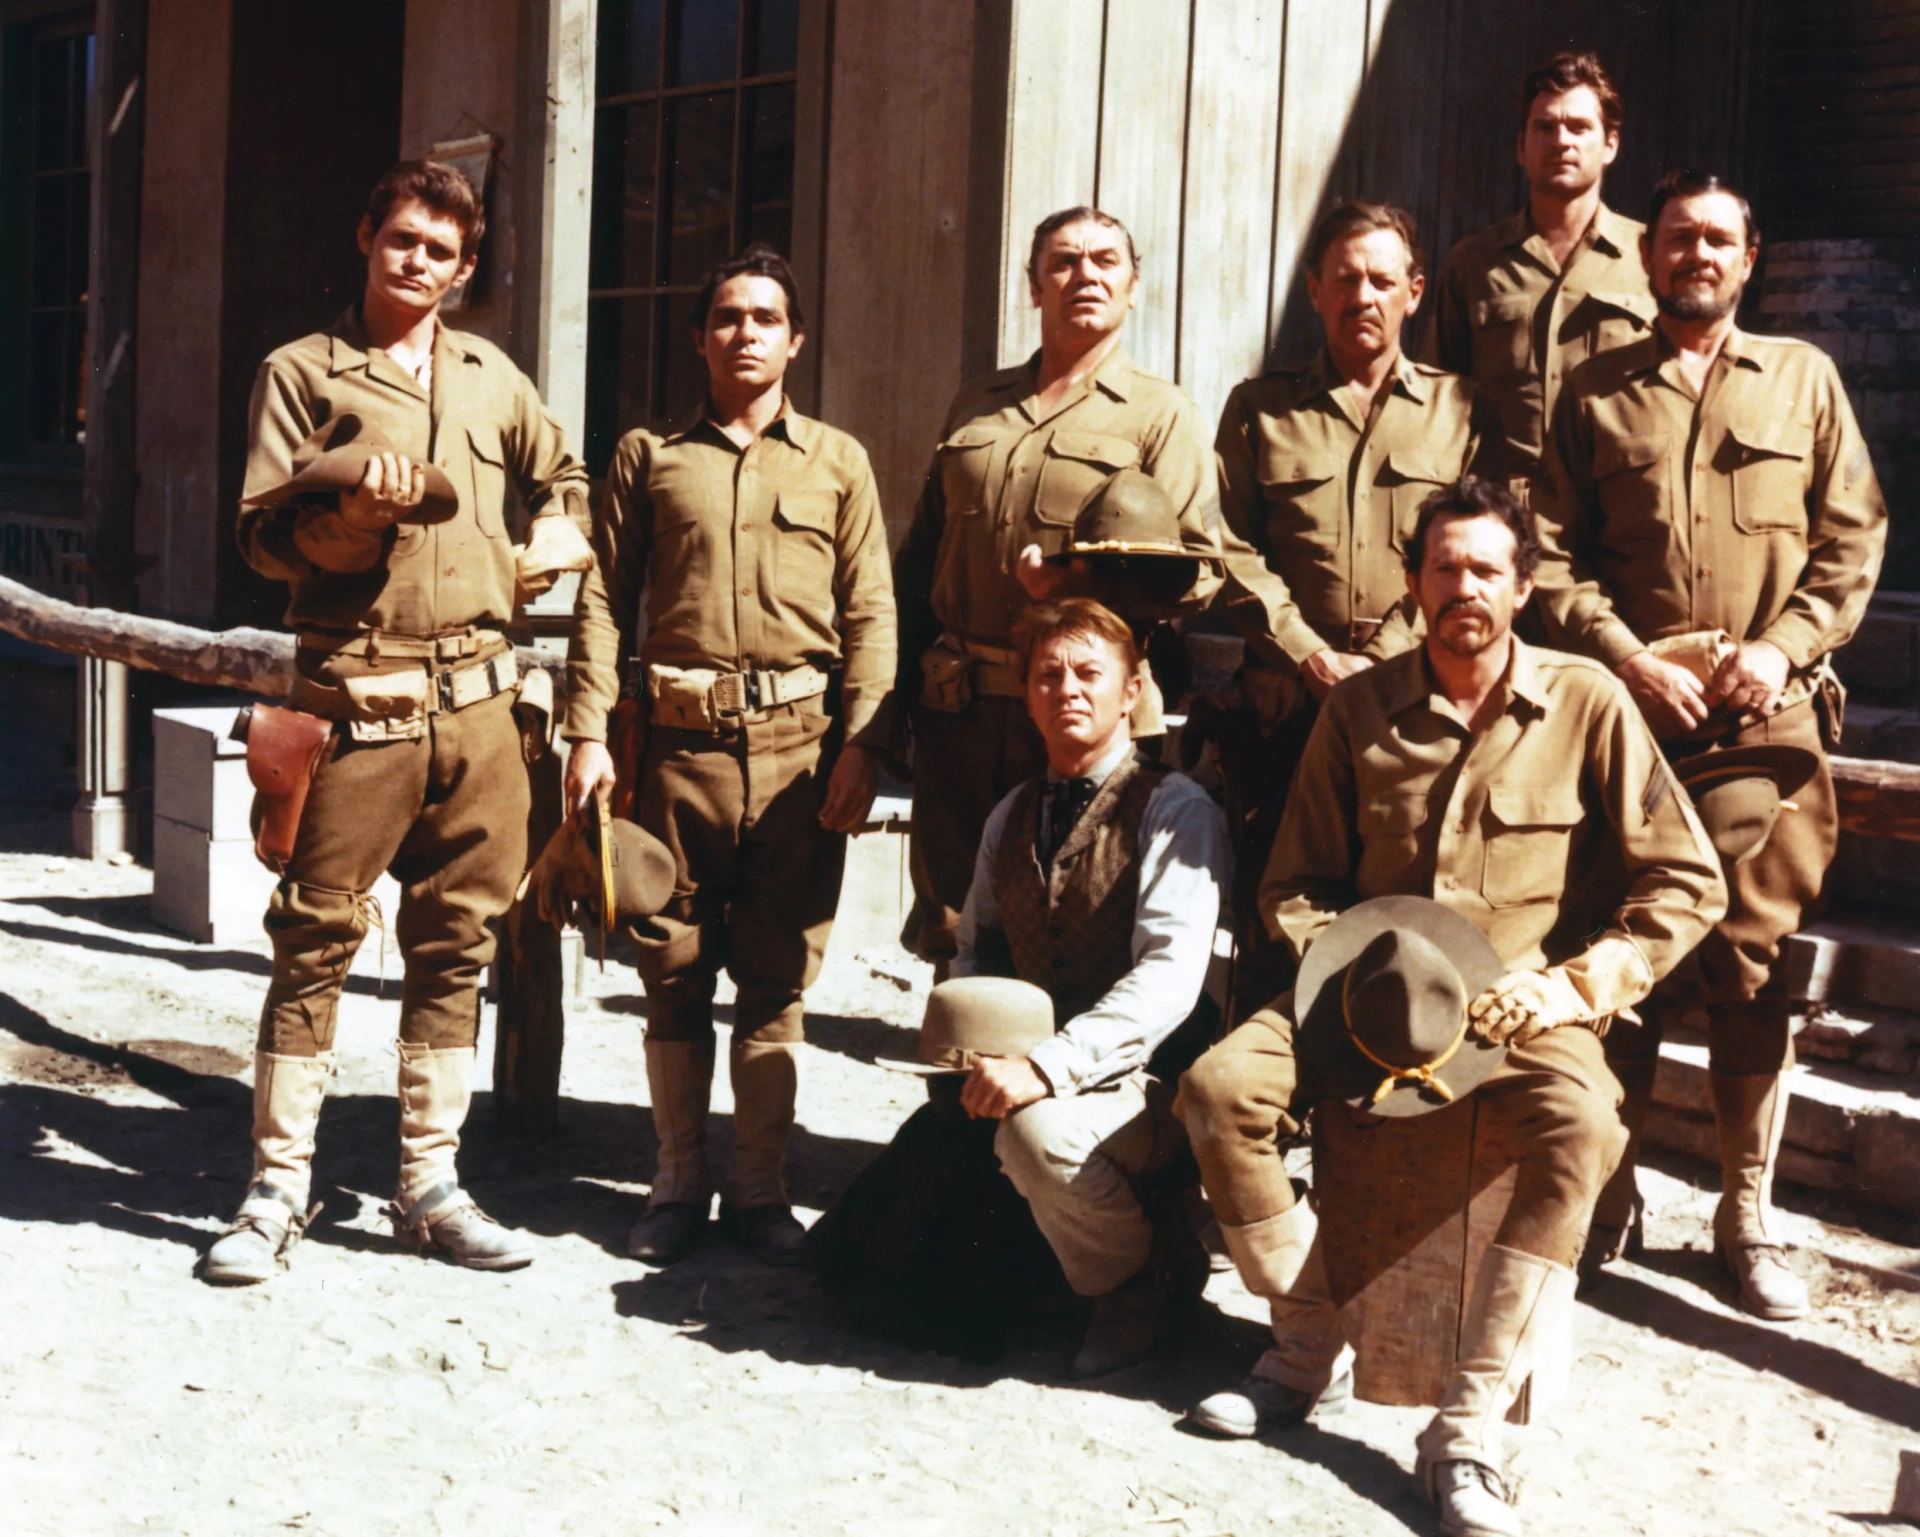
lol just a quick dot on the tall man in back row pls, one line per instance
(1322, 470)
(401, 635)
(1714, 532)
(1517, 789)
(1535, 295)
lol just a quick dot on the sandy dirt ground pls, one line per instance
(367, 1391)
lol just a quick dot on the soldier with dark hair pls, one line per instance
(401, 585)
(1523, 302)
(754, 534)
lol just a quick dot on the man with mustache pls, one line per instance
(1022, 452)
(1519, 789)
(1322, 470)
(1535, 295)
(1714, 531)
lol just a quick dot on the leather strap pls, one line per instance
(455, 646)
(746, 693)
(996, 669)
(447, 690)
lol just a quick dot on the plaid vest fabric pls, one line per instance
(1071, 933)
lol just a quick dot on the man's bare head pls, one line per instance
(1569, 124)
(1364, 277)
(1083, 273)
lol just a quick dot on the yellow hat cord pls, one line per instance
(1422, 1074)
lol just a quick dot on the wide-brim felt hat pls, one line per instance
(1741, 791)
(639, 869)
(334, 459)
(1128, 518)
(968, 1018)
(1393, 977)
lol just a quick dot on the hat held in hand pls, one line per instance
(1128, 517)
(1382, 1000)
(973, 1017)
(571, 873)
(334, 459)
(1741, 791)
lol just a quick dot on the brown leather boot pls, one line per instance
(1751, 1111)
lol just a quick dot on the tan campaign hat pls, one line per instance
(1741, 791)
(1381, 1001)
(973, 1017)
(335, 459)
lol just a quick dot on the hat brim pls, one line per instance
(340, 470)
(1118, 551)
(1786, 765)
(1340, 1070)
(651, 889)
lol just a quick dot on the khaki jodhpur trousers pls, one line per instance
(1556, 1096)
(447, 814)
(759, 877)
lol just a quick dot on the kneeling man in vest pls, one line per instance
(1100, 884)
(1519, 790)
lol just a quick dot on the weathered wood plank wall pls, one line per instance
(1218, 129)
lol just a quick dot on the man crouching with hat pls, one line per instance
(1519, 868)
(1100, 884)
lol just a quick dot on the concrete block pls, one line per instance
(1854, 961)
(199, 774)
(1886, 1155)
(213, 891)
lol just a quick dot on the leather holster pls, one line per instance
(283, 750)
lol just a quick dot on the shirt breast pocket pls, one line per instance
(1502, 337)
(1610, 319)
(803, 553)
(1410, 476)
(1769, 469)
(1632, 476)
(489, 464)
(1303, 504)
(1528, 842)
(1389, 839)
(965, 460)
(1076, 465)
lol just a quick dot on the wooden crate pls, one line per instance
(1407, 1208)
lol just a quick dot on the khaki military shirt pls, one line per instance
(1751, 507)
(772, 556)
(1515, 321)
(1005, 475)
(483, 424)
(1555, 828)
(1328, 496)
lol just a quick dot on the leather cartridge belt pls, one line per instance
(398, 700)
(704, 699)
(996, 669)
(747, 693)
(375, 645)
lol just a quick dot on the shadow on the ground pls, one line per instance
(1757, 1346)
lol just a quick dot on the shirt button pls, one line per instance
(746, 592)
(744, 527)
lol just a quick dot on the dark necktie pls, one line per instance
(1067, 801)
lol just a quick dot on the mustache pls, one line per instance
(1466, 605)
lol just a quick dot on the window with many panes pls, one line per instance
(692, 159)
(57, 74)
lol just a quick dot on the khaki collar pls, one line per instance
(1414, 683)
(788, 426)
(1114, 377)
(1323, 379)
(348, 350)
(1608, 232)
(1737, 351)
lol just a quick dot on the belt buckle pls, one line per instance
(750, 690)
(443, 682)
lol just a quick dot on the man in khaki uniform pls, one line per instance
(1519, 789)
(1526, 300)
(768, 652)
(1022, 451)
(1714, 532)
(1322, 470)
(424, 773)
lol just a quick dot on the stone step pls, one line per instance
(1846, 1129)
(1856, 959)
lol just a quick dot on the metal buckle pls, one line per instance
(444, 682)
(750, 687)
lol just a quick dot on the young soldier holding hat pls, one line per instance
(379, 455)
(1520, 868)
